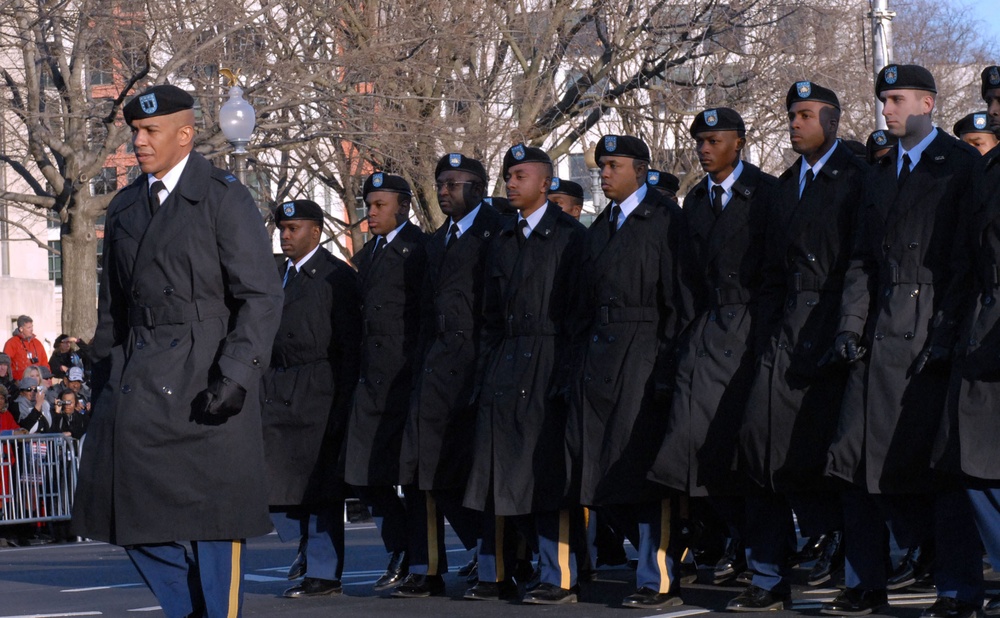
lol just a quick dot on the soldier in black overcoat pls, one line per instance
(892, 406)
(188, 306)
(391, 273)
(532, 318)
(725, 246)
(967, 441)
(794, 403)
(635, 305)
(306, 396)
(438, 440)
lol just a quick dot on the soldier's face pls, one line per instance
(458, 192)
(718, 151)
(162, 141)
(902, 108)
(983, 142)
(619, 177)
(385, 211)
(808, 126)
(528, 184)
(298, 238)
(567, 203)
(992, 99)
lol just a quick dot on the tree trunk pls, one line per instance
(79, 270)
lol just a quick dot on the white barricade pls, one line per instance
(37, 477)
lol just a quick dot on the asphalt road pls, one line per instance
(94, 579)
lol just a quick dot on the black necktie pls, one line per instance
(616, 211)
(809, 180)
(452, 236)
(379, 243)
(522, 227)
(290, 273)
(717, 193)
(905, 172)
(154, 196)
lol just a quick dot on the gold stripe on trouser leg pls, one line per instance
(564, 579)
(499, 551)
(661, 551)
(432, 536)
(586, 518)
(684, 556)
(234, 580)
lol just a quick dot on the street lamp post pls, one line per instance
(881, 18)
(590, 160)
(237, 120)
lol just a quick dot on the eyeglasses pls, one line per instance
(451, 185)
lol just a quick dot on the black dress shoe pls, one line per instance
(688, 573)
(992, 607)
(915, 565)
(830, 563)
(756, 599)
(732, 563)
(550, 594)
(812, 550)
(947, 607)
(314, 587)
(492, 591)
(855, 602)
(298, 568)
(745, 578)
(523, 571)
(647, 598)
(397, 569)
(469, 567)
(419, 586)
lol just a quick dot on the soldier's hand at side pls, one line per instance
(931, 356)
(846, 347)
(222, 398)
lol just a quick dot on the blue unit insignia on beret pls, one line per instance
(454, 159)
(891, 75)
(288, 208)
(610, 143)
(554, 186)
(979, 121)
(377, 179)
(995, 76)
(148, 103)
(518, 152)
(880, 138)
(804, 89)
(711, 118)
(653, 178)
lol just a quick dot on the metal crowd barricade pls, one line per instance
(37, 477)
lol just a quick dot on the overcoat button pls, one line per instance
(527, 355)
(452, 372)
(913, 245)
(782, 345)
(167, 291)
(498, 394)
(523, 393)
(731, 315)
(428, 370)
(915, 293)
(728, 353)
(362, 380)
(607, 380)
(702, 354)
(811, 257)
(256, 362)
(174, 343)
(290, 335)
(135, 294)
(378, 381)
(807, 345)
(812, 303)
(140, 344)
(596, 338)
(908, 336)
(288, 403)
(166, 390)
(973, 342)
(988, 301)
(611, 338)
(126, 389)
(879, 336)
(510, 357)
(268, 401)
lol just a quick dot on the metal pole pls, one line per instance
(240, 159)
(881, 18)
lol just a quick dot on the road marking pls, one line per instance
(55, 615)
(151, 608)
(108, 587)
(687, 612)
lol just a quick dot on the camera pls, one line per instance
(64, 402)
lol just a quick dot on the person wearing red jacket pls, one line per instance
(24, 349)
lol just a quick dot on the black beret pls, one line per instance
(567, 187)
(622, 146)
(663, 180)
(455, 161)
(877, 141)
(380, 181)
(978, 122)
(718, 119)
(305, 210)
(904, 77)
(157, 101)
(808, 91)
(524, 154)
(991, 79)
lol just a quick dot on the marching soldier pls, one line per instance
(975, 130)
(794, 404)
(438, 440)
(666, 183)
(391, 273)
(636, 307)
(567, 195)
(892, 305)
(306, 397)
(879, 144)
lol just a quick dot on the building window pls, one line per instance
(101, 65)
(579, 173)
(105, 182)
(55, 262)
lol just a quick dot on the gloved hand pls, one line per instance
(846, 347)
(931, 356)
(223, 398)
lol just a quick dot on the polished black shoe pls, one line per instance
(830, 563)
(397, 569)
(732, 563)
(688, 573)
(419, 586)
(550, 594)
(947, 607)
(812, 550)
(745, 578)
(647, 598)
(492, 591)
(915, 565)
(855, 602)
(755, 599)
(298, 568)
(992, 607)
(469, 567)
(314, 587)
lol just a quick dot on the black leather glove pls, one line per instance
(846, 347)
(931, 356)
(223, 398)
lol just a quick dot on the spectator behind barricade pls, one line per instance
(34, 413)
(68, 418)
(52, 388)
(74, 381)
(8, 422)
(68, 352)
(6, 378)
(24, 349)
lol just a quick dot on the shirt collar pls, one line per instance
(916, 152)
(727, 184)
(534, 218)
(392, 234)
(298, 265)
(818, 166)
(466, 222)
(631, 202)
(171, 178)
